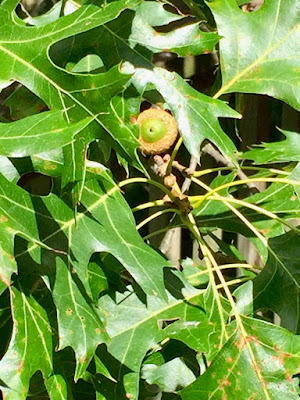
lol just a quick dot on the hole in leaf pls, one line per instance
(164, 323)
(35, 183)
(252, 6)
(38, 13)
(37, 387)
(65, 54)
(20, 102)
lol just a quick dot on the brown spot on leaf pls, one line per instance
(282, 356)
(69, 311)
(20, 366)
(229, 359)
(82, 360)
(98, 331)
(206, 51)
(3, 218)
(289, 377)
(264, 231)
(240, 343)
(133, 119)
(96, 44)
(4, 280)
(252, 338)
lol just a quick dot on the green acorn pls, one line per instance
(158, 131)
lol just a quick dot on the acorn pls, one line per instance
(158, 131)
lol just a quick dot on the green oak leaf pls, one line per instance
(38, 133)
(169, 376)
(57, 388)
(79, 325)
(286, 150)
(260, 363)
(79, 95)
(259, 51)
(183, 40)
(277, 286)
(104, 223)
(135, 328)
(30, 348)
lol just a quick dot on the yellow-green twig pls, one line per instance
(149, 181)
(155, 215)
(174, 153)
(256, 208)
(242, 182)
(149, 204)
(272, 171)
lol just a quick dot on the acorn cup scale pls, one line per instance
(158, 131)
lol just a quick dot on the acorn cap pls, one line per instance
(162, 145)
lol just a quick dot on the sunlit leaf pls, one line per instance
(259, 51)
(261, 364)
(30, 348)
(277, 286)
(284, 151)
